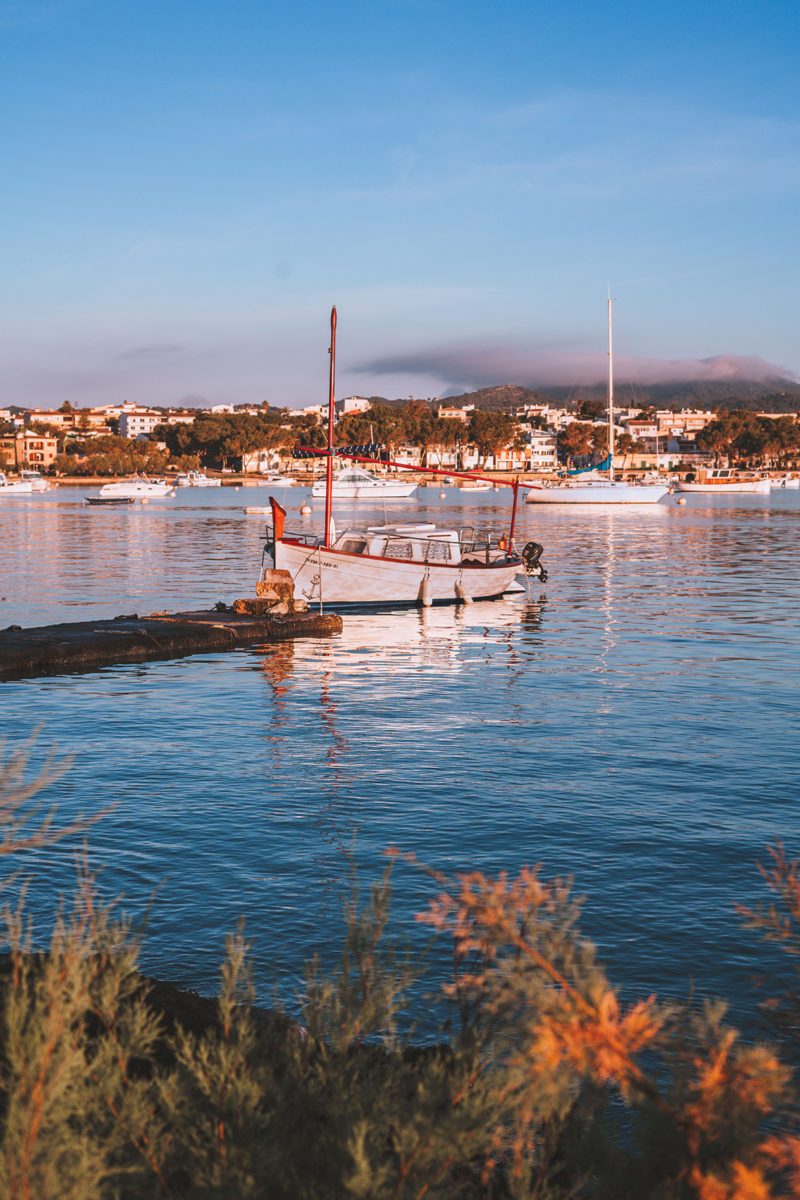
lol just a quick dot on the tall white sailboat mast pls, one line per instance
(610, 394)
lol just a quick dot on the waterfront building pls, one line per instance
(26, 449)
(542, 450)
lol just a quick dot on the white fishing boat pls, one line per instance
(721, 480)
(36, 480)
(14, 487)
(399, 564)
(354, 483)
(595, 486)
(402, 564)
(139, 487)
(196, 479)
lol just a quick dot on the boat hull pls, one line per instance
(112, 500)
(761, 486)
(360, 491)
(598, 493)
(136, 490)
(335, 578)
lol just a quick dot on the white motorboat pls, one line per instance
(275, 479)
(139, 487)
(36, 479)
(590, 487)
(14, 487)
(785, 481)
(394, 564)
(196, 479)
(354, 483)
(722, 480)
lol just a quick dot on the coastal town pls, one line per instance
(530, 439)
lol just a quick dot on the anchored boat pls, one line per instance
(721, 480)
(394, 564)
(589, 486)
(14, 487)
(138, 487)
(354, 483)
(196, 479)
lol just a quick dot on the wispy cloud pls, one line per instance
(586, 145)
(157, 350)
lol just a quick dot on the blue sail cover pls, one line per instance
(605, 465)
(364, 450)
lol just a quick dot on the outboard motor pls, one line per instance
(531, 553)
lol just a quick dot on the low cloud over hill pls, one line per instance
(474, 367)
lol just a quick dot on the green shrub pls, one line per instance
(113, 1086)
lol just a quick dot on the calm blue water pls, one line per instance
(635, 722)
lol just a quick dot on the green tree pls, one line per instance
(492, 432)
(575, 440)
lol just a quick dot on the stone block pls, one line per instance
(276, 585)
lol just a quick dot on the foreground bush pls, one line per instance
(546, 1085)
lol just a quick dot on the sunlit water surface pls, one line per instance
(633, 723)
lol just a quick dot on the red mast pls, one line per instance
(329, 475)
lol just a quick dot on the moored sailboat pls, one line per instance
(590, 487)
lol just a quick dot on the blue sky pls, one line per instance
(189, 186)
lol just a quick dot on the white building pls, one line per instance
(444, 413)
(261, 462)
(135, 422)
(350, 404)
(542, 451)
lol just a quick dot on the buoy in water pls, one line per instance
(681, 500)
(305, 510)
(442, 495)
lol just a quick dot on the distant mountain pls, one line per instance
(773, 395)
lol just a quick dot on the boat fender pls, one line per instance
(462, 596)
(425, 594)
(531, 553)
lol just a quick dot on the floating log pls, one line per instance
(86, 645)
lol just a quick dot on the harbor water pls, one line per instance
(633, 723)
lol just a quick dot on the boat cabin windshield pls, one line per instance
(421, 543)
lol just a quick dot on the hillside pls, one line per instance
(773, 396)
